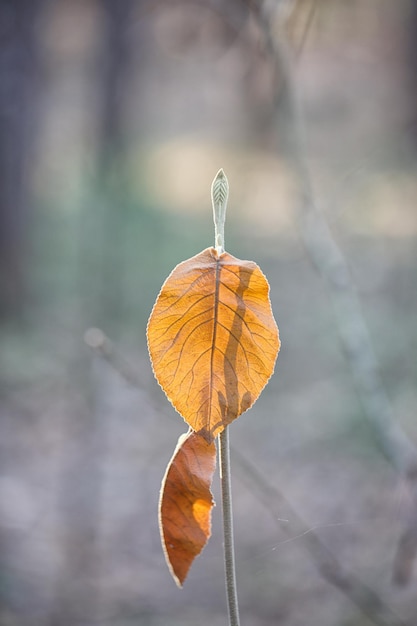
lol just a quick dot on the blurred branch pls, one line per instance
(101, 344)
(330, 569)
(297, 18)
(365, 598)
(407, 544)
(307, 26)
(332, 266)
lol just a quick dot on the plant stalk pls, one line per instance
(229, 551)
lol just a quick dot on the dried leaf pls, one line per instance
(186, 502)
(212, 339)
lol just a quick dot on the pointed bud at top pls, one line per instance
(219, 196)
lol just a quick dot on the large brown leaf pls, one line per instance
(186, 502)
(212, 339)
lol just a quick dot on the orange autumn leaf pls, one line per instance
(212, 339)
(186, 502)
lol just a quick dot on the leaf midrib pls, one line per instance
(213, 341)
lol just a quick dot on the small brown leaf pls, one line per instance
(186, 502)
(212, 339)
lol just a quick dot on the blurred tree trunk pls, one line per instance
(412, 56)
(103, 224)
(112, 150)
(18, 90)
(78, 596)
(114, 78)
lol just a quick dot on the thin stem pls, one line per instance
(219, 196)
(229, 551)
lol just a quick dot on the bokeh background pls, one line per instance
(114, 118)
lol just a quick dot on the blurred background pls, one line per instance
(114, 119)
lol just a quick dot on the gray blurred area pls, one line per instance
(114, 119)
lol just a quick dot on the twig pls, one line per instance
(229, 552)
(331, 264)
(328, 566)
